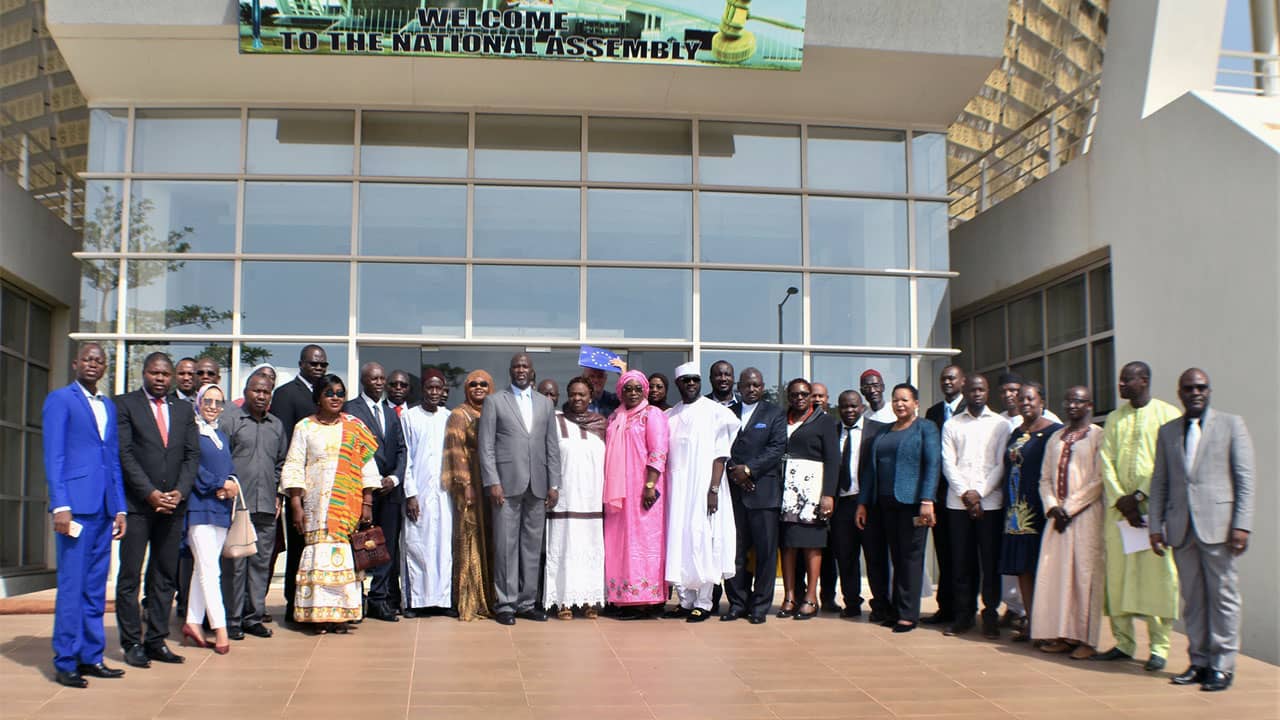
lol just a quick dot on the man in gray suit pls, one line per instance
(1202, 507)
(520, 466)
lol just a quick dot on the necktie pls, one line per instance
(1193, 441)
(846, 475)
(946, 411)
(161, 425)
(399, 411)
(377, 418)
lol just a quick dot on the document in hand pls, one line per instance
(1134, 540)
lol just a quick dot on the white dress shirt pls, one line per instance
(854, 437)
(747, 412)
(524, 400)
(884, 414)
(973, 457)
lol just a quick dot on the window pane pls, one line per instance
(1065, 316)
(13, 321)
(1026, 326)
(857, 233)
(295, 298)
(98, 282)
(639, 303)
(40, 334)
(36, 486)
(1067, 368)
(182, 216)
(857, 159)
(636, 150)
(415, 299)
(1029, 370)
(137, 352)
(1104, 373)
(639, 225)
(766, 362)
(413, 220)
(413, 144)
(304, 218)
(103, 205)
(301, 142)
(528, 147)
(107, 131)
(1100, 299)
(962, 338)
(933, 247)
(37, 390)
(840, 372)
(743, 306)
(545, 306)
(10, 533)
(858, 310)
(929, 163)
(284, 356)
(733, 153)
(523, 222)
(175, 296)
(741, 228)
(988, 339)
(11, 442)
(11, 382)
(934, 308)
(36, 532)
(187, 141)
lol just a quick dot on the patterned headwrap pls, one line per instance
(476, 375)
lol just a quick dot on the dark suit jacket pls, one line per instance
(760, 447)
(292, 402)
(147, 462)
(935, 416)
(81, 467)
(391, 456)
(818, 438)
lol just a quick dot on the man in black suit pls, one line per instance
(388, 503)
(159, 454)
(755, 472)
(951, 381)
(856, 435)
(292, 402)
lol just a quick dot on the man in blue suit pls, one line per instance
(86, 490)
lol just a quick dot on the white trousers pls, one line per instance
(696, 596)
(206, 543)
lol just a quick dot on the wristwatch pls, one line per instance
(715, 490)
(747, 470)
(650, 485)
(1139, 496)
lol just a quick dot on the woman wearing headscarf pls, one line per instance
(208, 517)
(460, 473)
(635, 463)
(329, 476)
(575, 531)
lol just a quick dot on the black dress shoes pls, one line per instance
(1216, 681)
(256, 630)
(959, 627)
(990, 626)
(235, 633)
(449, 613)
(99, 670)
(136, 656)
(756, 619)
(675, 613)
(878, 616)
(850, 611)
(697, 615)
(732, 615)
(1113, 654)
(1154, 664)
(72, 680)
(533, 614)
(506, 618)
(410, 613)
(938, 618)
(380, 611)
(831, 608)
(1194, 675)
(162, 653)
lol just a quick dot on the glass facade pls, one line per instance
(453, 237)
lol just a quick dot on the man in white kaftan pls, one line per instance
(427, 537)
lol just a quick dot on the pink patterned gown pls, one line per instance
(635, 538)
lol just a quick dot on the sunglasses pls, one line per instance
(209, 373)
(317, 364)
(398, 384)
(213, 402)
(335, 393)
(478, 383)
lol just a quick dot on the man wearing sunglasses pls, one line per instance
(292, 402)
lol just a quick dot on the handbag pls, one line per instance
(369, 547)
(242, 538)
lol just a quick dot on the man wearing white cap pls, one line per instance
(701, 536)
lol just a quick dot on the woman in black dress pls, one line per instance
(811, 468)
(1024, 515)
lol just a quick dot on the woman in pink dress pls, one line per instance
(635, 524)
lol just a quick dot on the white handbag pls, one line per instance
(242, 538)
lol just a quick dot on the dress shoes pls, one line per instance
(235, 633)
(99, 670)
(959, 627)
(900, 628)
(1154, 664)
(697, 615)
(756, 619)
(256, 630)
(1113, 654)
(878, 616)
(506, 618)
(675, 613)
(449, 613)
(732, 615)
(71, 679)
(136, 656)
(410, 613)
(1216, 681)
(850, 612)
(938, 618)
(533, 614)
(161, 653)
(1194, 675)
(380, 611)
(990, 627)
(831, 608)
(266, 618)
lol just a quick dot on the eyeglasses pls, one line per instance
(398, 384)
(212, 402)
(335, 393)
(632, 389)
(478, 383)
(798, 394)
(321, 364)
(208, 373)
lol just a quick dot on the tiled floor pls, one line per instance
(440, 668)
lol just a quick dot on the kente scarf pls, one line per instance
(357, 448)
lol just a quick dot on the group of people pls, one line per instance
(512, 505)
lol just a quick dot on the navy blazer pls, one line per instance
(204, 507)
(148, 463)
(81, 468)
(760, 447)
(916, 469)
(391, 456)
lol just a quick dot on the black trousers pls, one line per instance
(975, 557)
(752, 591)
(186, 566)
(294, 542)
(946, 574)
(875, 552)
(160, 534)
(846, 542)
(906, 552)
(385, 586)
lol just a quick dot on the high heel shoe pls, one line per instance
(222, 649)
(783, 612)
(193, 637)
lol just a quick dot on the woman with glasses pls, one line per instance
(329, 475)
(460, 473)
(635, 524)
(811, 468)
(208, 517)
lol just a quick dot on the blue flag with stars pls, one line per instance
(598, 358)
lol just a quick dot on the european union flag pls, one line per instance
(598, 358)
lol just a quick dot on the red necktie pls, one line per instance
(399, 410)
(160, 423)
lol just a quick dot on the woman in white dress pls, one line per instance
(428, 531)
(575, 528)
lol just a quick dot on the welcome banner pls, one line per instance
(758, 34)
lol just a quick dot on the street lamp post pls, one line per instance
(791, 290)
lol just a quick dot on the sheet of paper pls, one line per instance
(1134, 539)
